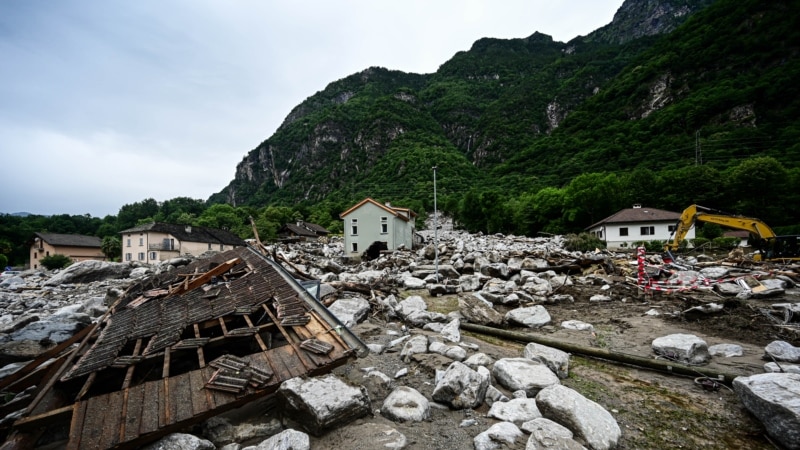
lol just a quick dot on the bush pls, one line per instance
(3, 261)
(650, 246)
(699, 242)
(55, 261)
(584, 242)
(726, 243)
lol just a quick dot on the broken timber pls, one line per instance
(178, 349)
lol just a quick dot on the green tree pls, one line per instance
(56, 261)
(111, 246)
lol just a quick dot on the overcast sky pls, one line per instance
(109, 102)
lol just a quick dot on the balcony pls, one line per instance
(164, 247)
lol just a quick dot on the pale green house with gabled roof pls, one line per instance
(370, 221)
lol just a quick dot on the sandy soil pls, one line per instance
(655, 410)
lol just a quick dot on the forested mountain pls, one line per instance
(673, 103)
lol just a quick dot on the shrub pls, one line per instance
(3, 261)
(650, 246)
(583, 242)
(699, 242)
(55, 261)
(726, 243)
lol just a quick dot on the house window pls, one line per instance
(384, 225)
(623, 231)
(128, 256)
(354, 227)
(47, 253)
(141, 256)
(221, 247)
(209, 245)
(355, 247)
(600, 234)
(648, 231)
(141, 242)
(671, 228)
(153, 256)
(35, 255)
(128, 243)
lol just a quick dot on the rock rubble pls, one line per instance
(497, 281)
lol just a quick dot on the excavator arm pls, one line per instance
(695, 213)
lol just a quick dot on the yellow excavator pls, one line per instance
(770, 246)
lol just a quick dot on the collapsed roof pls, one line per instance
(177, 349)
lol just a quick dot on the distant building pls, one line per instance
(302, 231)
(369, 221)
(624, 228)
(156, 241)
(75, 246)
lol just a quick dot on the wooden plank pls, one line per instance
(51, 417)
(86, 385)
(200, 398)
(206, 277)
(45, 356)
(92, 431)
(261, 360)
(150, 407)
(257, 336)
(76, 426)
(165, 368)
(223, 326)
(293, 364)
(180, 388)
(163, 403)
(200, 355)
(112, 420)
(133, 412)
(292, 341)
(129, 374)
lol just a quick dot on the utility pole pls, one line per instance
(435, 227)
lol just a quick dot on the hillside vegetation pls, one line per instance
(676, 102)
(536, 135)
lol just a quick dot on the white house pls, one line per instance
(156, 241)
(369, 221)
(623, 229)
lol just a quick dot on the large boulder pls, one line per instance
(476, 310)
(323, 403)
(532, 316)
(774, 398)
(555, 359)
(89, 271)
(588, 420)
(686, 348)
(461, 387)
(406, 404)
(522, 374)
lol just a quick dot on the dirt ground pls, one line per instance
(654, 410)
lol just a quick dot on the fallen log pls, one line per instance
(649, 363)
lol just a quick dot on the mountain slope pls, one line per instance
(528, 113)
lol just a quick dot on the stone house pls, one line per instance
(624, 228)
(370, 221)
(302, 231)
(75, 246)
(157, 241)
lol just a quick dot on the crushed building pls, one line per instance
(175, 350)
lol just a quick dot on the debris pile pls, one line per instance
(411, 309)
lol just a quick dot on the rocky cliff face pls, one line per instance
(640, 18)
(340, 134)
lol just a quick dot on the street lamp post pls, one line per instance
(435, 227)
